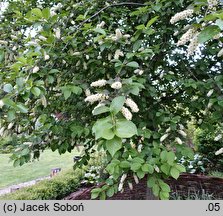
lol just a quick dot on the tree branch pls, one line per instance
(108, 6)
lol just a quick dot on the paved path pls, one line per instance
(21, 185)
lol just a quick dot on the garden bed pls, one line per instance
(186, 184)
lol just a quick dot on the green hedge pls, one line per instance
(54, 189)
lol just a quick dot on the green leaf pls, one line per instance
(208, 33)
(102, 195)
(125, 164)
(219, 23)
(164, 195)
(46, 13)
(67, 93)
(117, 104)
(9, 102)
(170, 158)
(76, 89)
(110, 192)
(125, 129)
(22, 108)
(180, 167)
(95, 193)
(2, 55)
(174, 172)
(140, 174)
(164, 186)
(156, 189)
(8, 88)
(148, 168)
(37, 12)
(135, 166)
(100, 30)
(165, 168)
(114, 145)
(103, 129)
(100, 110)
(137, 45)
(153, 20)
(133, 64)
(36, 91)
(151, 181)
(11, 115)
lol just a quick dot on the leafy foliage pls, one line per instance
(53, 52)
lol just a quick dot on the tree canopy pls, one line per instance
(116, 76)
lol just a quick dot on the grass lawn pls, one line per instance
(10, 175)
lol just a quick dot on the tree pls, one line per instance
(59, 60)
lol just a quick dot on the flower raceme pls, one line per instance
(116, 85)
(186, 37)
(99, 83)
(126, 113)
(95, 97)
(133, 106)
(181, 15)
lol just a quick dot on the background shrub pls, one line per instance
(54, 189)
(207, 146)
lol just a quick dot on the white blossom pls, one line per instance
(118, 34)
(168, 130)
(179, 141)
(133, 106)
(130, 185)
(210, 93)
(99, 83)
(157, 169)
(136, 179)
(210, 104)
(109, 56)
(126, 113)
(220, 151)
(35, 69)
(1, 103)
(120, 187)
(126, 36)
(14, 37)
(138, 71)
(87, 92)
(101, 25)
(218, 137)
(181, 127)
(76, 54)
(124, 176)
(181, 15)
(3, 42)
(220, 53)
(46, 57)
(175, 33)
(193, 45)
(118, 53)
(2, 131)
(10, 125)
(212, 4)
(181, 132)
(94, 98)
(139, 149)
(57, 33)
(116, 85)
(186, 37)
(164, 137)
(42, 38)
